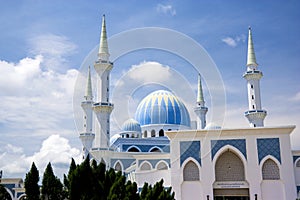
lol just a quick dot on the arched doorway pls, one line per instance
(271, 179)
(230, 182)
(191, 187)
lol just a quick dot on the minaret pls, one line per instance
(87, 137)
(103, 107)
(200, 109)
(255, 114)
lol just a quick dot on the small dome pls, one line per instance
(162, 107)
(131, 125)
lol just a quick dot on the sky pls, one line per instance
(43, 64)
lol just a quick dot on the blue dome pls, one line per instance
(162, 107)
(131, 125)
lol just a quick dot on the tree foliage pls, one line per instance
(32, 189)
(52, 188)
(91, 181)
(4, 195)
(94, 182)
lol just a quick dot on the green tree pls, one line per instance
(52, 188)
(4, 195)
(67, 178)
(82, 182)
(89, 181)
(32, 189)
(157, 192)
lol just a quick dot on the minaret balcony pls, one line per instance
(87, 134)
(103, 107)
(104, 104)
(253, 75)
(104, 62)
(256, 114)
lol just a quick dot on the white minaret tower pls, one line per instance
(103, 107)
(87, 137)
(200, 109)
(255, 114)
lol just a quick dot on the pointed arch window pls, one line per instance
(153, 133)
(270, 170)
(161, 133)
(133, 149)
(155, 149)
(145, 166)
(162, 166)
(229, 167)
(191, 172)
(118, 167)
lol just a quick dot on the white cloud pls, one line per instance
(229, 41)
(166, 9)
(33, 98)
(233, 42)
(53, 48)
(296, 97)
(36, 103)
(54, 149)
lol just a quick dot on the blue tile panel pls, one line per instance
(125, 162)
(295, 158)
(146, 148)
(216, 145)
(153, 162)
(268, 146)
(151, 140)
(190, 149)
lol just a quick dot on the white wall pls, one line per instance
(272, 189)
(191, 190)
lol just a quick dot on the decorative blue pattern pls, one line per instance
(190, 149)
(162, 107)
(146, 148)
(155, 161)
(216, 145)
(268, 146)
(125, 162)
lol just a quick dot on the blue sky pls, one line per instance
(44, 43)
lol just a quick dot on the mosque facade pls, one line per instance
(206, 162)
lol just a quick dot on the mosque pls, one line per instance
(206, 162)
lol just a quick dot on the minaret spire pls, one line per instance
(251, 59)
(200, 108)
(103, 108)
(88, 90)
(255, 114)
(87, 136)
(200, 98)
(103, 53)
